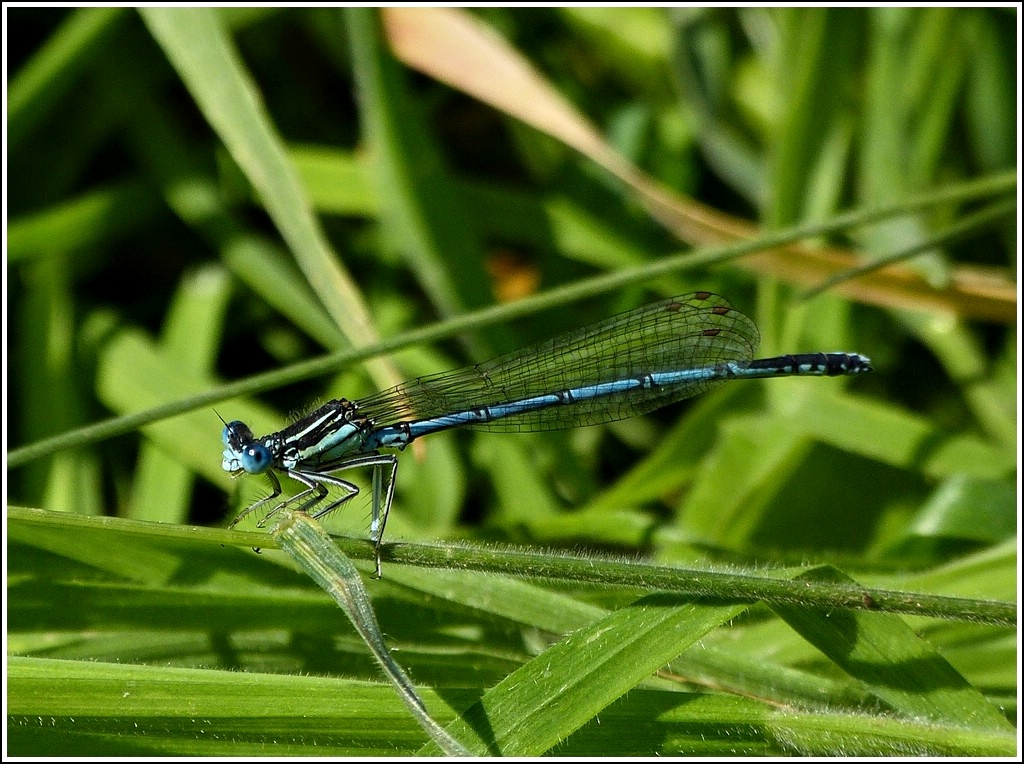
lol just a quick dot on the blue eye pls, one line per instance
(235, 434)
(243, 452)
(255, 458)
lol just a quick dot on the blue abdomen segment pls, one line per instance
(607, 401)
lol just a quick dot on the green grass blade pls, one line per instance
(574, 680)
(39, 86)
(418, 199)
(899, 667)
(199, 48)
(307, 543)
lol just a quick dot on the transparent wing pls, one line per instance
(693, 330)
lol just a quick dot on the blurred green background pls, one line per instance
(197, 197)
